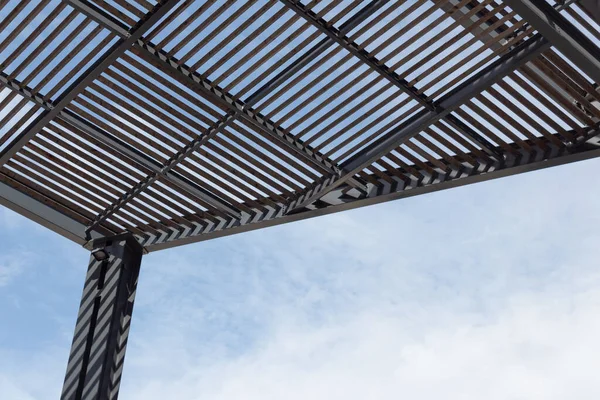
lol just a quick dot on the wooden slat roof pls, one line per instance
(181, 121)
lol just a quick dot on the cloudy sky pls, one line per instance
(486, 291)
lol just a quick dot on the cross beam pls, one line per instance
(43, 212)
(544, 155)
(316, 50)
(339, 36)
(121, 147)
(396, 136)
(563, 35)
(84, 80)
(237, 107)
(495, 45)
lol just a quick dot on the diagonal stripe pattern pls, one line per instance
(100, 339)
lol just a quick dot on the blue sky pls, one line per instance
(486, 291)
(490, 290)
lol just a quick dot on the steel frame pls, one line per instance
(238, 108)
(340, 199)
(432, 138)
(582, 51)
(123, 148)
(491, 34)
(102, 329)
(117, 50)
(445, 106)
(338, 36)
(335, 176)
(183, 74)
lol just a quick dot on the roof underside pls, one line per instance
(181, 121)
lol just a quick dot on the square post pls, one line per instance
(98, 350)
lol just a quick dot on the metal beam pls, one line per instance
(84, 80)
(474, 85)
(44, 214)
(339, 37)
(122, 148)
(100, 340)
(495, 45)
(316, 50)
(468, 132)
(563, 35)
(140, 158)
(344, 198)
(183, 74)
(100, 16)
(237, 109)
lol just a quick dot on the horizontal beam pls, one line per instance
(359, 17)
(563, 35)
(43, 214)
(238, 108)
(469, 132)
(485, 34)
(86, 78)
(344, 198)
(122, 148)
(140, 158)
(339, 36)
(101, 17)
(396, 136)
(453, 100)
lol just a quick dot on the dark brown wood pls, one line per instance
(336, 105)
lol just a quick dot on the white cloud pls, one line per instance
(537, 347)
(468, 294)
(10, 267)
(9, 219)
(31, 376)
(490, 291)
(11, 391)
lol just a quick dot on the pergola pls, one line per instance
(130, 126)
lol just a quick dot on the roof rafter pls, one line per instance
(115, 51)
(238, 109)
(447, 6)
(183, 74)
(340, 199)
(563, 35)
(121, 147)
(339, 37)
(319, 48)
(485, 78)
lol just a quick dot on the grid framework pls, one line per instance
(131, 126)
(181, 121)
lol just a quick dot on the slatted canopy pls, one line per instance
(181, 121)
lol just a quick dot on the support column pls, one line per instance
(98, 349)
